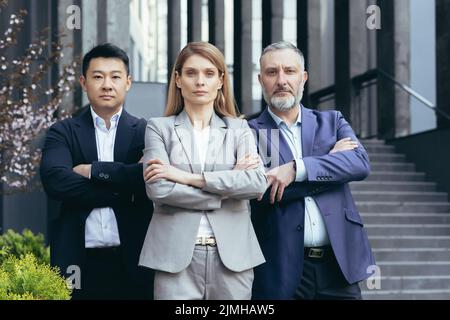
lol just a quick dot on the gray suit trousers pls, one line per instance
(206, 278)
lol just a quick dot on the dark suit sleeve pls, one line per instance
(296, 191)
(340, 167)
(61, 182)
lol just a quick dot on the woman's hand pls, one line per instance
(247, 162)
(157, 170)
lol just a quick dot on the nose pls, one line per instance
(200, 80)
(107, 84)
(281, 80)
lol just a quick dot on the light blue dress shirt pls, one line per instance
(315, 229)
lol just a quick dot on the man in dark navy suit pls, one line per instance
(308, 226)
(92, 164)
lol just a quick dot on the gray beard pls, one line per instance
(284, 104)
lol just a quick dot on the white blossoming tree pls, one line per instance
(27, 106)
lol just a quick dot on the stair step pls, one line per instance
(386, 157)
(408, 229)
(413, 268)
(372, 142)
(412, 254)
(392, 166)
(398, 207)
(379, 148)
(408, 218)
(409, 241)
(400, 196)
(392, 186)
(395, 176)
(433, 294)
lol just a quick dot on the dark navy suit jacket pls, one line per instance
(280, 227)
(117, 184)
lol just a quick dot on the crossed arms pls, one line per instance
(62, 182)
(169, 185)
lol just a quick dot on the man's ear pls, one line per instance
(259, 78)
(129, 81)
(305, 77)
(83, 82)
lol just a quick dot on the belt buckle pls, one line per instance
(316, 253)
(206, 241)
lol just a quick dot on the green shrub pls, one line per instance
(26, 278)
(16, 244)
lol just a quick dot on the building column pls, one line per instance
(216, 18)
(402, 62)
(272, 21)
(194, 21)
(342, 83)
(302, 40)
(386, 62)
(174, 30)
(242, 69)
(442, 60)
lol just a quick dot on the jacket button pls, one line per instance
(101, 175)
(299, 227)
(106, 176)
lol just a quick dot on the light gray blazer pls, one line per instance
(170, 240)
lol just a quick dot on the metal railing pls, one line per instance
(370, 78)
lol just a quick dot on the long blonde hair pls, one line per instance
(224, 105)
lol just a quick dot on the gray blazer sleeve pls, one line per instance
(239, 184)
(168, 192)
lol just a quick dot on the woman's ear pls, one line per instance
(177, 79)
(221, 81)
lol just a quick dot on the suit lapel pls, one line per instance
(85, 132)
(309, 124)
(274, 138)
(185, 132)
(126, 130)
(218, 130)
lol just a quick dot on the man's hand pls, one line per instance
(83, 170)
(279, 178)
(248, 162)
(344, 145)
(158, 170)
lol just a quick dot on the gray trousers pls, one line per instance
(206, 278)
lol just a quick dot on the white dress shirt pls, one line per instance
(315, 229)
(101, 225)
(201, 139)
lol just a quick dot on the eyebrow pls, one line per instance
(101, 71)
(206, 69)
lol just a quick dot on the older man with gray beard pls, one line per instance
(307, 223)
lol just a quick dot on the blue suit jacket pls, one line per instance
(280, 227)
(117, 184)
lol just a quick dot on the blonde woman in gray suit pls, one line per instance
(202, 168)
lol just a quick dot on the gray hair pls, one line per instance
(283, 45)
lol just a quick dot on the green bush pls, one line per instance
(26, 278)
(16, 244)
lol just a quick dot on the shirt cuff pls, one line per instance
(300, 174)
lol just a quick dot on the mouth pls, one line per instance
(200, 93)
(106, 97)
(282, 92)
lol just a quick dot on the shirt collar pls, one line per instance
(280, 121)
(101, 124)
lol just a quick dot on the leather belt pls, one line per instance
(317, 252)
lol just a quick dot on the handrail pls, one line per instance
(375, 73)
(415, 94)
(357, 81)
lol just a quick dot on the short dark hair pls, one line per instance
(106, 50)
